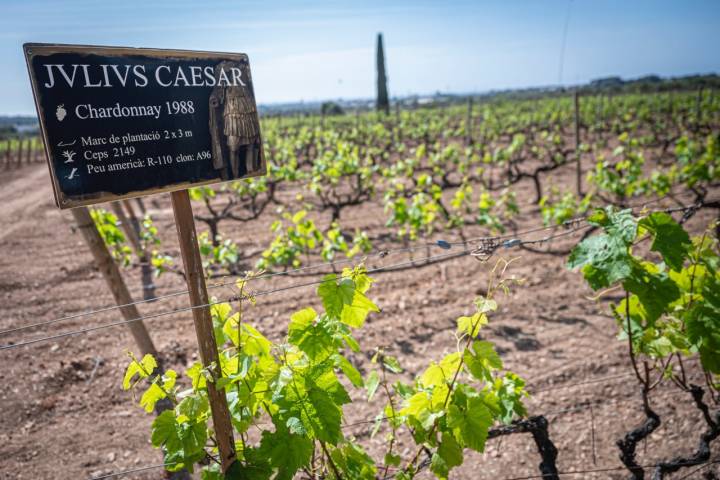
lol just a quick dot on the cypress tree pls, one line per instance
(383, 104)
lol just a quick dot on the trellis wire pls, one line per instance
(388, 268)
(513, 241)
(211, 286)
(134, 470)
(381, 254)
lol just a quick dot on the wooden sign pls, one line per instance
(125, 122)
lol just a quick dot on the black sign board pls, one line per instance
(125, 122)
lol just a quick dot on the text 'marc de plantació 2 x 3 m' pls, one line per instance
(125, 122)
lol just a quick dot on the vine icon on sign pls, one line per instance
(60, 112)
(68, 154)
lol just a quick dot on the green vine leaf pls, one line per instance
(441, 373)
(654, 289)
(311, 337)
(182, 439)
(142, 369)
(155, 393)
(371, 384)
(344, 301)
(481, 360)
(196, 373)
(355, 313)
(350, 371)
(449, 455)
(354, 462)
(336, 295)
(286, 452)
(669, 239)
(471, 325)
(470, 421)
(620, 224)
(604, 260)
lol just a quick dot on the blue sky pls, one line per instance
(310, 50)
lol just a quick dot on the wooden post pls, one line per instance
(110, 271)
(115, 282)
(41, 151)
(141, 205)
(145, 265)
(24, 155)
(398, 129)
(578, 172)
(481, 119)
(698, 105)
(195, 280)
(8, 154)
(469, 122)
(19, 151)
(28, 150)
(127, 227)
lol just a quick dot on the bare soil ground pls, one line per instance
(64, 415)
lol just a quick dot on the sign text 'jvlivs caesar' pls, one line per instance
(125, 122)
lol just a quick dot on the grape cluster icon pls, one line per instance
(60, 112)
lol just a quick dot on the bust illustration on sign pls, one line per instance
(234, 127)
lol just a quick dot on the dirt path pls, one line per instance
(25, 191)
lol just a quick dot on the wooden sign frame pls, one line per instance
(218, 148)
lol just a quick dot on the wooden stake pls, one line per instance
(141, 205)
(19, 151)
(24, 152)
(40, 152)
(481, 117)
(143, 255)
(195, 279)
(127, 227)
(698, 105)
(576, 101)
(469, 122)
(109, 269)
(397, 122)
(8, 154)
(28, 150)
